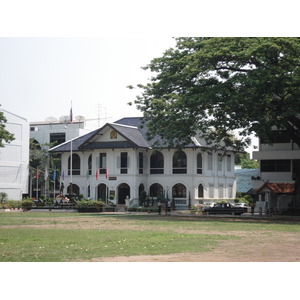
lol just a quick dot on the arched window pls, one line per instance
(102, 192)
(199, 163)
(89, 191)
(179, 163)
(75, 164)
(156, 190)
(157, 163)
(123, 192)
(90, 165)
(200, 191)
(179, 191)
(74, 191)
(141, 188)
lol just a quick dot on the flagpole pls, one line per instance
(54, 183)
(37, 183)
(71, 161)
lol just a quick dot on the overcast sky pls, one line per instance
(41, 77)
(56, 52)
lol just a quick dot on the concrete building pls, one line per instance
(14, 158)
(56, 131)
(279, 168)
(117, 159)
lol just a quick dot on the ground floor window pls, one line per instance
(200, 191)
(179, 191)
(156, 190)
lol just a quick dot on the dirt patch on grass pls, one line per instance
(251, 246)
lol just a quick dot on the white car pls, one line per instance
(209, 204)
(241, 205)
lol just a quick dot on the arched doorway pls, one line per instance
(75, 190)
(123, 192)
(102, 192)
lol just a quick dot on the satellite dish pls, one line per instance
(80, 118)
(64, 119)
(51, 120)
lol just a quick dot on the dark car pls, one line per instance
(225, 208)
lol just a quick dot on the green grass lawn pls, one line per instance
(56, 237)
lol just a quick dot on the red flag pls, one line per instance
(97, 174)
(106, 172)
(37, 175)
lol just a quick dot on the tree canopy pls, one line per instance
(5, 136)
(222, 84)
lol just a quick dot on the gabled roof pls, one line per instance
(132, 134)
(278, 188)
(133, 130)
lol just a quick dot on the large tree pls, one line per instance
(223, 84)
(5, 136)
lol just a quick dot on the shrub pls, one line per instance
(89, 203)
(133, 209)
(3, 197)
(27, 202)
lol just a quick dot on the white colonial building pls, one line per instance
(14, 158)
(117, 159)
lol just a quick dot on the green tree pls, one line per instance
(245, 162)
(223, 84)
(5, 136)
(40, 158)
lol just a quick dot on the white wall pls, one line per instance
(218, 179)
(14, 158)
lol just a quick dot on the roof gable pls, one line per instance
(278, 188)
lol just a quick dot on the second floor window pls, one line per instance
(157, 163)
(102, 167)
(124, 162)
(199, 163)
(75, 164)
(179, 163)
(141, 162)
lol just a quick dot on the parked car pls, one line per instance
(241, 205)
(224, 208)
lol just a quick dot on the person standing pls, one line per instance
(168, 206)
(159, 207)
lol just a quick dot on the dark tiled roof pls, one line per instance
(66, 147)
(134, 137)
(108, 145)
(142, 126)
(132, 129)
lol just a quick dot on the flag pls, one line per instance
(97, 174)
(46, 174)
(106, 172)
(71, 115)
(87, 174)
(37, 175)
(54, 175)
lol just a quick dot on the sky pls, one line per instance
(62, 53)
(44, 77)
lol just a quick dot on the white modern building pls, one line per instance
(14, 158)
(45, 132)
(279, 168)
(117, 159)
